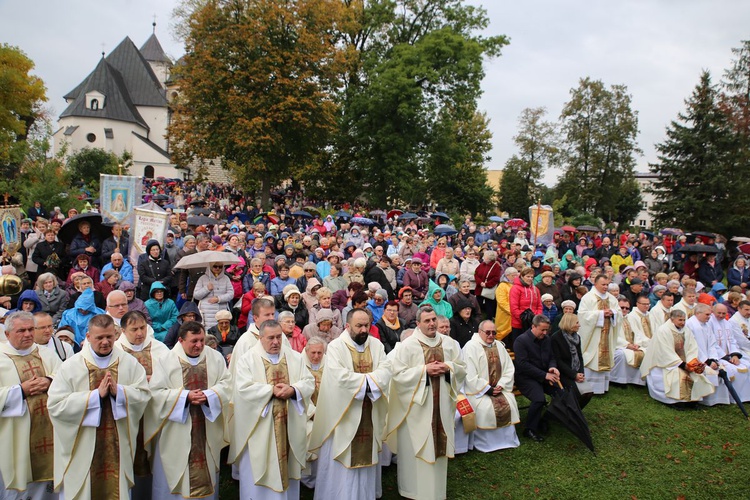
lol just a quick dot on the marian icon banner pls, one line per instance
(118, 195)
(541, 224)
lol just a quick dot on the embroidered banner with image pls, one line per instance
(541, 224)
(119, 195)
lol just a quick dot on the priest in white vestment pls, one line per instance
(671, 365)
(271, 391)
(185, 421)
(136, 341)
(351, 411)
(26, 371)
(427, 374)
(741, 321)
(728, 353)
(96, 402)
(489, 389)
(314, 355)
(688, 303)
(700, 327)
(659, 314)
(601, 319)
(629, 349)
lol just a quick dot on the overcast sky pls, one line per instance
(656, 48)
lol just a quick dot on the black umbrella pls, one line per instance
(302, 213)
(202, 220)
(69, 230)
(705, 234)
(564, 407)
(343, 214)
(160, 197)
(199, 211)
(698, 249)
(440, 215)
(723, 375)
(445, 230)
(407, 216)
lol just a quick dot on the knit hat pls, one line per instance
(220, 315)
(547, 297)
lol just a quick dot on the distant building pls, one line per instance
(645, 218)
(123, 105)
(493, 178)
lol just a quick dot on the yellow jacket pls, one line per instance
(502, 315)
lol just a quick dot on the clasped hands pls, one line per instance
(107, 386)
(35, 386)
(437, 368)
(197, 397)
(283, 391)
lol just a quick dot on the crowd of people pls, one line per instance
(330, 349)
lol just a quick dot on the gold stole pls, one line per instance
(646, 324)
(440, 439)
(41, 451)
(630, 338)
(279, 374)
(362, 443)
(686, 382)
(318, 376)
(196, 378)
(141, 463)
(499, 403)
(689, 311)
(605, 361)
(105, 463)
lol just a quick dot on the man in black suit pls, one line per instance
(536, 372)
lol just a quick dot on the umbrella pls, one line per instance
(392, 213)
(705, 234)
(69, 230)
(202, 220)
(408, 216)
(698, 249)
(363, 220)
(302, 213)
(568, 229)
(588, 228)
(564, 407)
(377, 213)
(243, 217)
(440, 215)
(445, 230)
(271, 216)
(732, 392)
(199, 211)
(741, 239)
(201, 260)
(160, 197)
(312, 210)
(171, 205)
(516, 224)
(496, 218)
(744, 248)
(651, 235)
(342, 214)
(671, 231)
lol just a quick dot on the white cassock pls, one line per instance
(270, 458)
(83, 470)
(350, 418)
(636, 329)
(147, 354)
(187, 440)
(310, 472)
(741, 332)
(658, 315)
(26, 465)
(598, 337)
(418, 401)
(667, 382)
(708, 350)
(489, 366)
(67, 349)
(726, 346)
(684, 307)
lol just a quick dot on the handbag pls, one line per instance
(526, 318)
(489, 293)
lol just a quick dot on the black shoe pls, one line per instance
(533, 435)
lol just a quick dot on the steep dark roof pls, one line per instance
(152, 145)
(117, 102)
(141, 83)
(152, 50)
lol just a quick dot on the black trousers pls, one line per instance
(534, 391)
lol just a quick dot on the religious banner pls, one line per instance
(118, 196)
(541, 224)
(10, 218)
(148, 225)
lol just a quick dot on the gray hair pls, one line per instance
(317, 340)
(422, 310)
(43, 278)
(702, 308)
(284, 315)
(17, 317)
(116, 293)
(676, 313)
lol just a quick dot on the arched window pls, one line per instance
(148, 172)
(95, 104)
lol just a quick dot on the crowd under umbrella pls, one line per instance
(408, 216)
(69, 230)
(445, 230)
(363, 221)
(202, 220)
(342, 214)
(394, 213)
(302, 213)
(496, 218)
(440, 215)
(516, 224)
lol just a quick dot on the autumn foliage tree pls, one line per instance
(258, 84)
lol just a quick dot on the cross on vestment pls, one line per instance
(278, 378)
(199, 459)
(32, 370)
(195, 380)
(363, 366)
(363, 437)
(40, 408)
(107, 472)
(44, 446)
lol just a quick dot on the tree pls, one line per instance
(258, 86)
(538, 149)
(21, 98)
(600, 129)
(84, 167)
(702, 176)
(735, 96)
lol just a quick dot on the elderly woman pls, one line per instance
(469, 266)
(487, 276)
(153, 267)
(524, 296)
(323, 327)
(566, 346)
(54, 300)
(292, 331)
(448, 264)
(738, 274)
(225, 332)
(335, 281)
(85, 243)
(214, 292)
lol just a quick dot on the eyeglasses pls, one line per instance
(309, 270)
(217, 267)
(44, 327)
(625, 308)
(487, 332)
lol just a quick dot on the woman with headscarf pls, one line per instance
(153, 267)
(568, 261)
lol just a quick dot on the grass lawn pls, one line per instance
(644, 450)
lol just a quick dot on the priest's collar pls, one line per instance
(315, 366)
(101, 361)
(194, 360)
(274, 358)
(22, 352)
(602, 296)
(137, 348)
(429, 341)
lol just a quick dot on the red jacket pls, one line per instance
(523, 297)
(488, 273)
